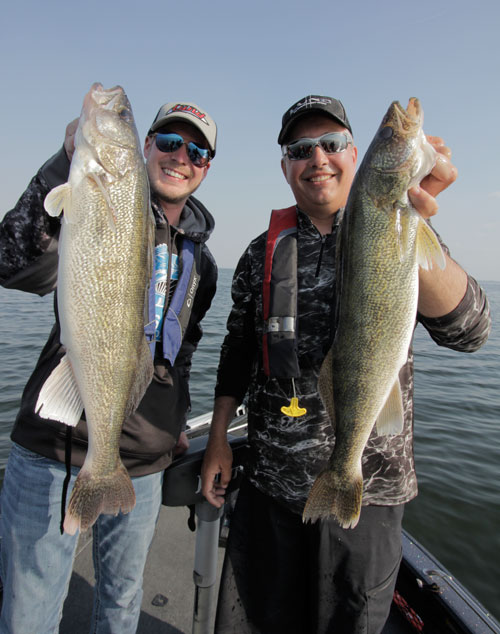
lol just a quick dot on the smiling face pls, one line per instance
(321, 183)
(172, 175)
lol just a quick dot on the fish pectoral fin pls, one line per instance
(59, 399)
(325, 387)
(111, 208)
(391, 418)
(59, 199)
(428, 247)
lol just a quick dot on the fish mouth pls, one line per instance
(401, 144)
(104, 112)
(404, 121)
(414, 109)
(106, 97)
(109, 99)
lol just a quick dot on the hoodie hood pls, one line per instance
(196, 222)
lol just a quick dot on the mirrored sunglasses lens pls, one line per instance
(332, 143)
(301, 149)
(198, 156)
(168, 142)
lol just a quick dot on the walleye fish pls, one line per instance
(105, 264)
(383, 241)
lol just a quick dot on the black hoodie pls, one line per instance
(28, 262)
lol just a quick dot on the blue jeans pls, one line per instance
(36, 560)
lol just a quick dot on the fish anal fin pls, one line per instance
(92, 496)
(325, 387)
(59, 199)
(331, 496)
(429, 249)
(391, 418)
(59, 399)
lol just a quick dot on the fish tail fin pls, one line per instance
(329, 496)
(92, 496)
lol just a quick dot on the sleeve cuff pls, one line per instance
(463, 306)
(56, 170)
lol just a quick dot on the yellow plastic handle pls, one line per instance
(293, 409)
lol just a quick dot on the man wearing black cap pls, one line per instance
(36, 559)
(281, 575)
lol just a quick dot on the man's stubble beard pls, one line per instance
(172, 200)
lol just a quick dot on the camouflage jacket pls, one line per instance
(287, 453)
(28, 262)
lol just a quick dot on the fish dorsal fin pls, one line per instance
(391, 418)
(59, 199)
(325, 387)
(428, 247)
(59, 398)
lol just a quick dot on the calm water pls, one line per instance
(457, 443)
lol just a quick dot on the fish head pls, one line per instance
(399, 155)
(106, 134)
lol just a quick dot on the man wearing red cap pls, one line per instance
(36, 559)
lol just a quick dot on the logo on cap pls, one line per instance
(308, 103)
(185, 108)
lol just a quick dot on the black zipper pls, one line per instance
(320, 257)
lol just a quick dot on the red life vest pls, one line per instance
(279, 296)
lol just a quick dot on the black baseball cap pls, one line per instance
(313, 103)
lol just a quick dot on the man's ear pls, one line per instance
(148, 142)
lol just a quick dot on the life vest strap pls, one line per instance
(179, 310)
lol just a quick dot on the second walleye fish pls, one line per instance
(383, 242)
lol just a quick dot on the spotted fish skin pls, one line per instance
(383, 241)
(105, 262)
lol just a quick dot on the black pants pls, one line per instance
(282, 576)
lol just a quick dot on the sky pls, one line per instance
(246, 63)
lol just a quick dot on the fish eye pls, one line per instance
(386, 132)
(125, 114)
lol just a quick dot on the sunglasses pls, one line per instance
(330, 143)
(171, 142)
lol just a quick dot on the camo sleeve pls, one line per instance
(467, 327)
(28, 235)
